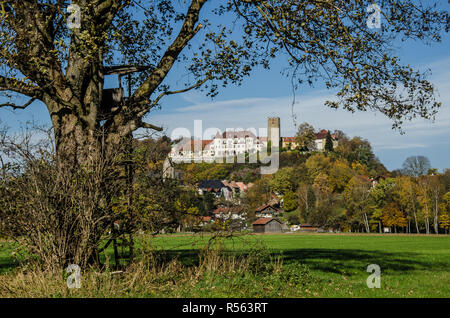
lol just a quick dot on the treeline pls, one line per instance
(348, 189)
(343, 189)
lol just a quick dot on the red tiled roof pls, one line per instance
(323, 134)
(193, 144)
(226, 210)
(264, 206)
(242, 186)
(262, 221)
(288, 139)
(319, 135)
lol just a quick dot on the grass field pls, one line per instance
(411, 265)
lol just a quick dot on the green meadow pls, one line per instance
(411, 265)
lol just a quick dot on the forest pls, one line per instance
(343, 189)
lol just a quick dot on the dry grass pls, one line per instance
(149, 277)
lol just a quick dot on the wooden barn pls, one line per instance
(308, 228)
(268, 225)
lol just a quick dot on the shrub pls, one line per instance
(295, 274)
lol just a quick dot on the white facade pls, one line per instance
(224, 145)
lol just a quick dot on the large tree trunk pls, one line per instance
(91, 164)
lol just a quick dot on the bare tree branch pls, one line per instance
(167, 93)
(187, 32)
(150, 126)
(15, 106)
(14, 85)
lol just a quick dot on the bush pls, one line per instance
(259, 259)
(293, 219)
(295, 274)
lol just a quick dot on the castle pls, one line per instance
(235, 143)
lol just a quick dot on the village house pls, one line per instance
(377, 179)
(215, 187)
(234, 215)
(229, 190)
(269, 225)
(227, 213)
(235, 189)
(205, 220)
(319, 141)
(267, 211)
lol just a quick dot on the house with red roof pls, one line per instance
(269, 225)
(319, 141)
(267, 211)
(226, 213)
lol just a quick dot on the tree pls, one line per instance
(431, 191)
(258, 194)
(63, 65)
(289, 201)
(392, 216)
(416, 166)
(446, 202)
(406, 194)
(444, 222)
(356, 196)
(316, 164)
(207, 204)
(383, 192)
(444, 218)
(437, 190)
(424, 197)
(307, 199)
(357, 150)
(381, 195)
(283, 180)
(446, 179)
(305, 137)
(339, 175)
(329, 142)
(322, 189)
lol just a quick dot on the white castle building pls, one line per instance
(227, 144)
(239, 142)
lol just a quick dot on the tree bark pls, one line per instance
(415, 221)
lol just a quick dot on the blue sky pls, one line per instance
(267, 93)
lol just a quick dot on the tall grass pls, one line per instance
(218, 273)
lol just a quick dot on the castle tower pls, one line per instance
(273, 131)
